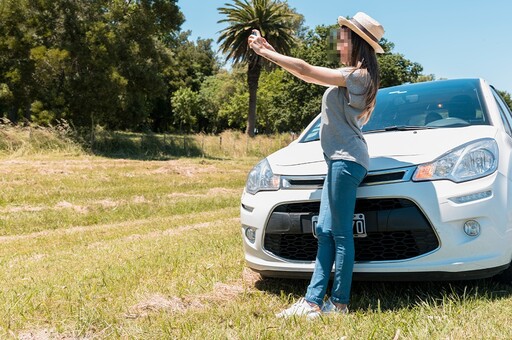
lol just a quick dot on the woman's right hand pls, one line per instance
(258, 43)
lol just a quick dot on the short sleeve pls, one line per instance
(356, 81)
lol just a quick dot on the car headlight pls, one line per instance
(261, 178)
(467, 162)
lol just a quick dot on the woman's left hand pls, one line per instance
(298, 67)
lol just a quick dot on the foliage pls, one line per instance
(90, 62)
(275, 21)
(507, 98)
(6, 98)
(186, 105)
(395, 69)
(225, 97)
(273, 18)
(191, 63)
(269, 117)
(216, 91)
(120, 65)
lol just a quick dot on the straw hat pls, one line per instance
(366, 27)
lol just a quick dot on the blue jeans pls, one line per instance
(334, 232)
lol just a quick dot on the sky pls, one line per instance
(449, 38)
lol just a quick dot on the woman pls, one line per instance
(346, 106)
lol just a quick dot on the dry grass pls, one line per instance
(101, 248)
(18, 141)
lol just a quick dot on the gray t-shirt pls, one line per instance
(340, 130)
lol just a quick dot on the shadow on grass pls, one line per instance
(394, 296)
(144, 146)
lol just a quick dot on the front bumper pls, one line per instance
(452, 254)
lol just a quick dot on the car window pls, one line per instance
(447, 104)
(313, 133)
(505, 114)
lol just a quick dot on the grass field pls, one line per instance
(110, 248)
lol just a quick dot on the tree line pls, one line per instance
(127, 65)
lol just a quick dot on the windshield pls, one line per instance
(429, 105)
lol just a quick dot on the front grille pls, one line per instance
(396, 228)
(304, 207)
(388, 176)
(381, 178)
(372, 178)
(302, 182)
(298, 247)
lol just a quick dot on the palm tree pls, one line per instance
(276, 22)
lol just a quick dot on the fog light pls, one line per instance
(250, 233)
(472, 228)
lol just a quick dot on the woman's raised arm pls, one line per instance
(298, 67)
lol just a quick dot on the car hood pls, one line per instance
(388, 150)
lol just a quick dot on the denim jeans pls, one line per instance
(334, 232)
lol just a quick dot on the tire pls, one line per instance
(505, 276)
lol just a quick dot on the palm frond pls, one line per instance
(271, 17)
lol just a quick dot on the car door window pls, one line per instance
(505, 114)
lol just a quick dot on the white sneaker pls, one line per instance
(300, 308)
(329, 308)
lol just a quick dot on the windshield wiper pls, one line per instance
(407, 128)
(402, 128)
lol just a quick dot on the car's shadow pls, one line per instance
(381, 296)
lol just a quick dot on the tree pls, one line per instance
(191, 62)
(123, 49)
(270, 118)
(15, 65)
(219, 95)
(395, 69)
(90, 62)
(276, 22)
(506, 97)
(6, 98)
(186, 103)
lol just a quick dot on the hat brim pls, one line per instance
(342, 21)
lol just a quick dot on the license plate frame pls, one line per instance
(358, 225)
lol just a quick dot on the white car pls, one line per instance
(435, 204)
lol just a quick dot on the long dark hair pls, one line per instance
(364, 57)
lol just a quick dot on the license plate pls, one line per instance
(358, 225)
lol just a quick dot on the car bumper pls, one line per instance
(458, 256)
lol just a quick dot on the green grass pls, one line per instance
(104, 248)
